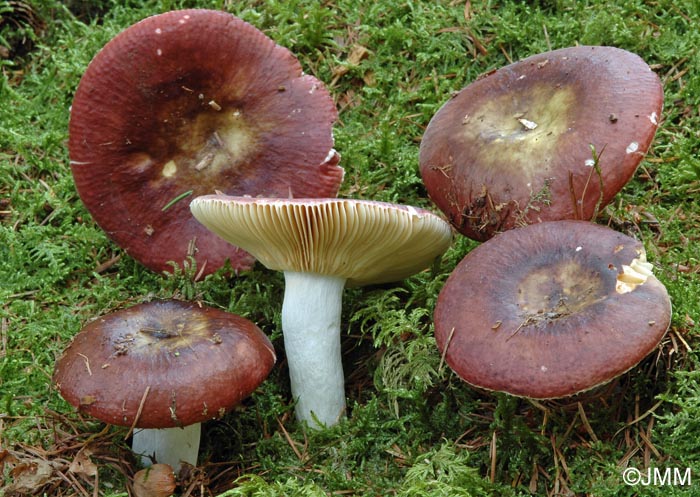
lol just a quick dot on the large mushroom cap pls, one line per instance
(176, 362)
(362, 241)
(550, 310)
(554, 136)
(186, 103)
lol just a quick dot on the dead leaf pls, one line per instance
(29, 476)
(6, 458)
(468, 11)
(357, 54)
(82, 465)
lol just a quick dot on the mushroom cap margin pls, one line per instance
(534, 312)
(179, 362)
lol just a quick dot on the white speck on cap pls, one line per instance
(632, 147)
(530, 125)
(169, 169)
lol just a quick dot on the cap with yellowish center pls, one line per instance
(184, 103)
(322, 245)
(550, 310)
(163, 367)
(553, 136)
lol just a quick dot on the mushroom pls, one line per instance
(550, 310)
(186, 102)
(163, 367)
(322, 245)
(553, 136)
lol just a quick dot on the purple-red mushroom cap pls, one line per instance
(554, 136)
(186, 103)
(163, 364)
(550, 310)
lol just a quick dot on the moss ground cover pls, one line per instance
(414, 429)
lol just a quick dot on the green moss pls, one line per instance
(413, 428)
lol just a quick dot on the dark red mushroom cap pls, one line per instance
(550, 310)
(175, 362)
(554, 136)
(186, 103)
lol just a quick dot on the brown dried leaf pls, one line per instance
(357, 54)
(155, 481)
(82, 465)
(6, 458)
(468, 11)
(29, 476)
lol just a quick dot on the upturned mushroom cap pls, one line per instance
(362, 241)
(517, 146)
(186, 103)
(163, 364)
(550, 310)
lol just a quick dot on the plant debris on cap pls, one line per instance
(363, 241)
(551, 310)
(163, 364)
(186, 103)
(554, 136)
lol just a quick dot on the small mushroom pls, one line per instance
(551, 310)
(553, 136)
(322, 245)
(185, 103)
(163, 367)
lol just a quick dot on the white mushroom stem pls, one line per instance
(311, 314)
(171, 446)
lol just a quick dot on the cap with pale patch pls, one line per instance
(553, 136)
(362, 241)
(185, 103)
(163, 364)
(550, 310)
